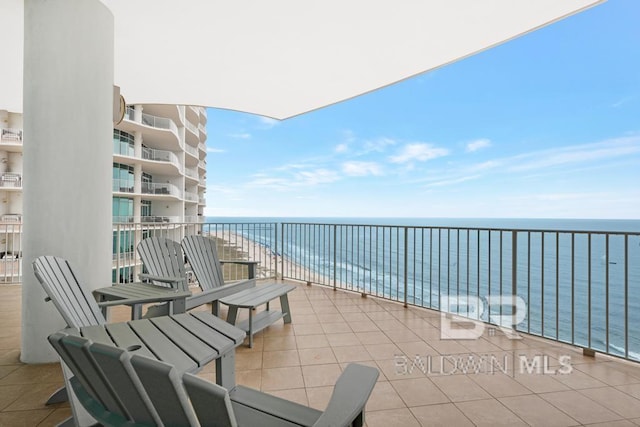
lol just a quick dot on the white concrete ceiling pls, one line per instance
(281, 58)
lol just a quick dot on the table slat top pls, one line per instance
(259, 295)
(188, 341)
(138, 293)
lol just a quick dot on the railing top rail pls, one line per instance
(441, 227)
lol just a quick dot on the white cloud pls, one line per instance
(268, 122)
(418, 151)
(445, 182)
(361, 168)
(215, 150)
(377, 145)
(575, 154)
(341, 148)
(242, 135)
(295, 180)
(478, 144)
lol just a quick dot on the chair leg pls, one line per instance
(58, 396)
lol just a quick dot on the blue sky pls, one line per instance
(545, 126)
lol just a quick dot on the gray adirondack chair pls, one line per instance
(164, 261)
(119, 388)
(202, 255)
(77, 306)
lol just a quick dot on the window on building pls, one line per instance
(123, 143)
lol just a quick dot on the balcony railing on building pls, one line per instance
(160, 156)
(193, 128)
(191, 150)
(11, 135)
(191, 172)
(10, 180)
(161, 188)
(577, 287)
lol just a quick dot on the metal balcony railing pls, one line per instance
(10, 179)
(577, 287)
(191, 197)
(192, 172)
(160, 156)
(191, 150)
(11, 135)
(161, 188)
(123, 185)
(193, 128)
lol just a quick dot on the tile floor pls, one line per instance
(302, 361)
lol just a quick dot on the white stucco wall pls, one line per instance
(68, 99)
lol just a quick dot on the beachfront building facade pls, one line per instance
(159, 176)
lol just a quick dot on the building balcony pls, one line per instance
(164, 156)
(10, 136)
(190, 197)
(10, 180)
(161, 189)
(163, 130)
(302, 360)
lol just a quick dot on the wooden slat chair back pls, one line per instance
(119, 387)
(203, 259)
(78, 307)
(163, 258)
(202, 255)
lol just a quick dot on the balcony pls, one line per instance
(161, 156)
(10, 180)
(10, 136)
(357, 301)
(164, 130)
(164, 189)
(302, 360)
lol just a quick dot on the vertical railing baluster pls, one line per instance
(542, 285)
(626, 295)
(406, 264)
(514, 277)
(335, 250)
(589, 288)
(573, 288)
(606, 287)
(557, 285)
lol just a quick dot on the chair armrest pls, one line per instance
(215, 294)
(350, 395)
(163, 279)
(251, 265)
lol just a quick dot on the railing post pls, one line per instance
(275, 239)
(406, 264)
(335, 240)
(118, 252)
(514, 277)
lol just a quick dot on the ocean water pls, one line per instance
(580, 279)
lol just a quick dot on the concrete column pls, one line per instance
(68, 113)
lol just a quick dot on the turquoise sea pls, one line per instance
(580, 278)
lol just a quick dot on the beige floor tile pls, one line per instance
(279, 343)
(33, 374)
(24, 418)
(383, 351)
(319, 397)
(34, 396)
(303, 319)
(56, 417)
(489, 413)
(630, 389)
(621, 423)
(413, 348)
(336, 327)
(442, 415)
(363, 326)
(537, 412)
(249, 378)
(540, 383)
(282, 378)
(608, 373)
(308, 329)
(312, 341)
(615, 400)
(356, 317)
(317, 356)
(384, 396)
(244, 361)
(459, 388)
(580, 407)
(419, 392)
(280, 358)
(374, 337)
(500, 385)
(321, 375)
(391, 417)
(342, 339)
(352, 353)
